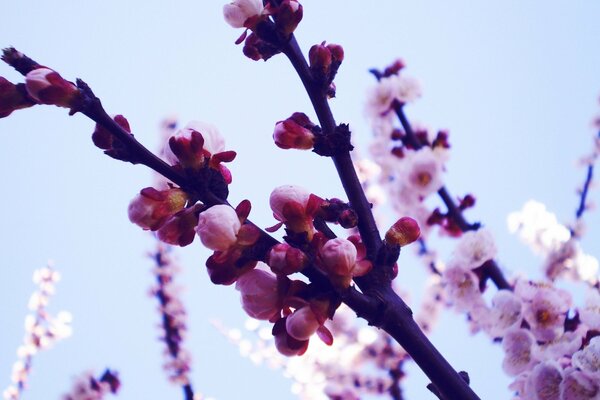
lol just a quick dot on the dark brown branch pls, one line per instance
(381, 306)
(343, 162)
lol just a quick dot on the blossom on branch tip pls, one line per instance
(47, 87)
(218, 227)
(151, 208)
(295, 132)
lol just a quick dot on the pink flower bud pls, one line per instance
(285, 259)
(151, 208)
(302, 324)
(190, 148)
(338, 257)
(218, 227)
(405, 231)
(48, 87)
(238, 12)
(285, 198)
(260, 294)
(12, 97)
(285, 343)
(294, 133)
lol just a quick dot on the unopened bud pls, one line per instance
(288, 198)
(180, 229)
(151, 208)
(405, 231)
(12, 97)
(192, 144)
(260, 294)
(112, 146)
(47, 87)
(287, 16)
(285, 259)
(319, 57)
(294, 133)
(218, 227)
(302, 324)
(338, 257)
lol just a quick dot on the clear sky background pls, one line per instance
(515, 82)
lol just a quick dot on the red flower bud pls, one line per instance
(260, 294)
(180, 229)
(286, 344)
(294, 133)
(12, 97)
(47, 87)
(287, 16)
(112, 146)
(405, 231)
(285, 259)
(151, 208)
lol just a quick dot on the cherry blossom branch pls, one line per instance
(378, 303)
(383, 307)
(343, 162)
(490, 269)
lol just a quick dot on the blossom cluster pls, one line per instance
(42, 329)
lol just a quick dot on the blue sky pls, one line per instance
(515, 82)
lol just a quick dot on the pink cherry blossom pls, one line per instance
(579, 385)
(546, 313)
(475, 248)
(518, 348)
(421, 172)
(505, 314)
